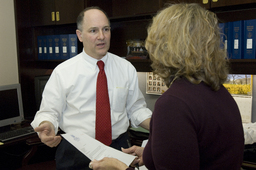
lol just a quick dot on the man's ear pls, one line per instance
(79, 35)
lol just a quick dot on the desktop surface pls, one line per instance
(14, 127)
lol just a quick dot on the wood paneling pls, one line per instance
(42, 11)
(224, 3)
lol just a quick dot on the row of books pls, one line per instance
(239, 38)
(57, 47)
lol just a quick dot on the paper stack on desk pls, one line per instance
(249, 133)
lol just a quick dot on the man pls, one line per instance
(69, 97)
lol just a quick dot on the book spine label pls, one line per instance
(40, 48)
(72, 45)
(50, 47)
(249, 34)
(45, 49)
(64, 47)
(237, 51)
(56, 47)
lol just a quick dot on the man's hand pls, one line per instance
(47, 134)
(136, 151)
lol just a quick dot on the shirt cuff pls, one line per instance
(39, 119)
(139, 116)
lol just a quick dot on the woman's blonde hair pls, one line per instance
(184, 41)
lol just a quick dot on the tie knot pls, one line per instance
(100, 65)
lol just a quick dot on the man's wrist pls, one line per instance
(50, 123)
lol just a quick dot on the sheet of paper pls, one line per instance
(144, 143)
(94, 149)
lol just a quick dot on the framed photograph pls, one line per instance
(155, 84)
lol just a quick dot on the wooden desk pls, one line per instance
(32, 151)
(20, 152)
(18, 140)
(34, 142)
(14, 152)
(248, 165)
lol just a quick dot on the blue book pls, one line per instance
(56, 47)
(40, 48)
(229, 40)
(238, 46)
(64, 47)
(72, 45)
(226, 37)
(250, 38)
(50, 44)
(222, 35)
(45, 49)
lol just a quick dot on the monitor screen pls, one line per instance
(40, 82)
(11, 109)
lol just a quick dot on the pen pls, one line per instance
(129, 145)
(137, 166)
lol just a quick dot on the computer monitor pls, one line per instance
(40, 82)
(11, 108)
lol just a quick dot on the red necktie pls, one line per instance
(103, 118)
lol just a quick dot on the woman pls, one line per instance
(196, 123)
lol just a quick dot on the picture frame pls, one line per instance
(155, 84)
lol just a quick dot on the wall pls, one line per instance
(150, 98)
(8, 48)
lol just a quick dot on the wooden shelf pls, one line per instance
(141, 65)
(236, 14)
(237, 66)
(248, 165)
(47, 64)
(243, 66)
(132, 18)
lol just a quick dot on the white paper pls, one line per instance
(94, 149)
(244, 104)
(144, 143)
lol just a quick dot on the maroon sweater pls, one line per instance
(194, 127)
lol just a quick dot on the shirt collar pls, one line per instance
(93, 61)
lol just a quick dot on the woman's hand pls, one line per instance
(107, 164)
(136, 151)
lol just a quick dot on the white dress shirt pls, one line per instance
(69, 97)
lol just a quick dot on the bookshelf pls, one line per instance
(125, 24)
